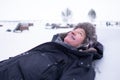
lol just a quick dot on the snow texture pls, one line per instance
(12, 44)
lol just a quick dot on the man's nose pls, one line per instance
(73, 32)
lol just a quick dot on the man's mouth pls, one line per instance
(72, 37)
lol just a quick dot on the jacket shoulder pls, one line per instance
(48, 46)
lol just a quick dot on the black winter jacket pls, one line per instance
(51, 61)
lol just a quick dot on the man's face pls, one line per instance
(75, 37)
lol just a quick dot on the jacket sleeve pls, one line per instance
(99, 51)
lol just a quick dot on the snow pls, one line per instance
(15, 43)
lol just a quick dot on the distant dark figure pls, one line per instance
(22, 26)
(1, 25)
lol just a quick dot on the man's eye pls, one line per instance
(80, 34)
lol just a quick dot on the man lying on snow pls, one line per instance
(68, 56)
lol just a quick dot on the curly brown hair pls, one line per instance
(90, 31)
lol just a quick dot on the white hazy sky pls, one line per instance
(51, 9)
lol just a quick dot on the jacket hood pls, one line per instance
(58, 38)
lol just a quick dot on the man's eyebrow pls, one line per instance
(81, 32)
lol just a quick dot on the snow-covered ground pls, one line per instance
(108, 68)
(13, 43)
